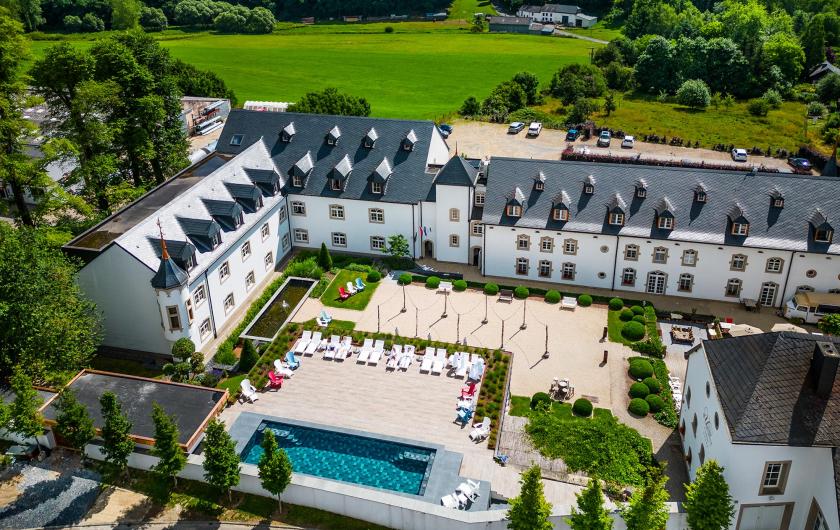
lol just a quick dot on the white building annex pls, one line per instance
(766, 408)
(562, 14)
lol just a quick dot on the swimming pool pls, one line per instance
(348, 457)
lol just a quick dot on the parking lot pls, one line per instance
(480, 140)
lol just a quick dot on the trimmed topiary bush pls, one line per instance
(655, 402)
(491, 289)
(641, 369)
(584, 300)
(637, 310)
(633, 331)
(404, 279)
(639, 390)
(521, 292)
(540, 397)
(432, 282)
(639, 407)
(626, 315)
(582, 407)
(374, 276)
(459, 285)
(616, 303)
(249, 357)
(552, 297)
(653, 385)
(640, 319)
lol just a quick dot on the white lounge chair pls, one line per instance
(439, 361)
(303, 342)
(469, 489)
(314, 344)
(568, 302)
(477, 367)
(280, 369)
(481, 431)
(365, 351)
(451, 501)
(394, 357)
(407, 358)
(454, 360)
(332, 347)
(461, 369)
(344, 349)
(249, 393)
(428, 358)
(351, 288)
(376, 354)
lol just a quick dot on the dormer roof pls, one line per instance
(516, 197)
(641, 184)
(590, 180)
(539, 177)
(737, 213)
(776, 193)
(616, 203)
(200, 231)
(248, 196)
(562, 200)
(819, 219)
(382, 172)
(411, 137)
(304, 165)
(268, 180)
(342, 170)
(334, 134)
(288, 132)
(226, 213)
(371, 136)
(664, 207)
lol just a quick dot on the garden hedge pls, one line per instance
(639, 407)
(655, 402)
(582, 407)
(552, 297)
(640, 369)
(640, 319)
(653, 385)
(616, 303)
(584, 300)
(633, 331)
(432, 282)
(374, 276)
(521, 292)
(540, 397)
(639, 390)
(637, 310)
(491, 289)
(459, 285)
(626, 315)
(404, 279)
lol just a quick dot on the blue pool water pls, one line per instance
(350, 458)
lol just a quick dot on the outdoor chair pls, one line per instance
(314, 344)
(439, 361)
(569, 302)
(469, 488)
(249, 393)
(350, 288)
(293, 363)
(481, 431)
(469, 390)
(344, 349)
(283, 371)
(450, 501)
(506, 295)
(342, 294)
(445, 287)
(274, 381)
(360, 285)
(303, 342)
(428, 358)
(324, 319)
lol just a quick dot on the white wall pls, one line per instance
(826, 267)
(438, 150)
(448, 198)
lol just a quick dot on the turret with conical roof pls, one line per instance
(169, 275)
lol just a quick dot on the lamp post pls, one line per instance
(503, 336)
(445, 298)
(524, 305)
(416, 321)
(485, 309)
(458, 329)
(403, 310)
(377, 319)
(545, 355)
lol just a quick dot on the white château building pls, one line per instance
(284, 180)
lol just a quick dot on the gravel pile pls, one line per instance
(49, 499)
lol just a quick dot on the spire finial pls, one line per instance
(164, 254)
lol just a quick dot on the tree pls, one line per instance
(656, 70)
(582, 109)
(73, 422)
(92, 23)
(590, 513)
(726, 67)
(398, 246)
(249, 356)
(471, 107)
(117, 444)
(274, 468)
(23, 416)
(331, 101)
(324, 258)
(72, 24)
(153, 19)
(830, 324)
(221, 463)
(260, 20)
(708, 504)
(47, 327)
(828, 89)
(646, 509)
(478, 25)
(783, 50)
(203, 83)
(577, 80)
(609, 103)
(186, 363)
(28, 11)
(530, 510)
(125, 14)
(618, 77)
(650, 17)
(529, 83)
(167, 449)
(511, 93)
(694, 93)
(813, 43)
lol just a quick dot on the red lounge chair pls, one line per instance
(344, 295)
(274, 380)
(469, 391)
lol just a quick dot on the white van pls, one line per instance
(811, 307)
(535, 129)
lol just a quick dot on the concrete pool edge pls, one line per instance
(442, 480)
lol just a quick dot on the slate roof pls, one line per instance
(785, 228)
(551, 8)
(457, 172)
(169, 275)
(410, 181)
(765, 387)
(511, 21)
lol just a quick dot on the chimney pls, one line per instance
(824, 365)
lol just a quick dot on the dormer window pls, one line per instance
(288, 132)
(335, 184)
(588, 189)
(333, 136)
(740, 229)
(215, 239)
(539, 185)
(823, 235)
(409, 141)
(641, 188)
(370, 138)
(823, 231)
(666, 223)
(778, 203)
(376, 187)
(617, 219)
(700, 194)
(560, 214)
(297, 181)
(236, 139)
(514, 210)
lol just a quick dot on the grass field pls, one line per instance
(357, 301)
(598, 31)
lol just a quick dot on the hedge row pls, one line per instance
(667, 416)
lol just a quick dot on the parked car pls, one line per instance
(572, 135)
(535, 128)
(516, 127)
(628, 142)
(27, 452)
(739, 155)
(800, 163)
(604, 139)
(445, 129)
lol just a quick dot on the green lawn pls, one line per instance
(358, 301)
(465, 9)
(598, 31)
(232, 383)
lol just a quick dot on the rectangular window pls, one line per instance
(199, 295)
(522, 266)
(250, 281)
(335, 184)
(246, 250)
(376, 187)
(660, 255)
(268, 260)
(740, 229)
(617, 219)
(479, 198)
(454, 214)
(477, 228)
(204, 328)
(281, 215)
(216, 239)
(265, 231)
(823, 236)
(570, 246)
(775, 478)
(229, 304)
(298, 208)
(545, 269)
(568, 271)
(523, 242)
(689, 258)
(377, 243)
(224, 272)
(301, 235)
(631, 252)
(174, 318)
(733, 287)
(561, 214)
(685, 282)
(454, 240)
(666, 223)
(190, 313)
(337, 212)
(628, 277)
(547, 244)
(339, 239)
(376, 215)
(285, 242)
(514, 211)
(297, 181)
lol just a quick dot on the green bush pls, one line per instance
(655, 402)
(640, 319)
(616, 303)
(653, 346)
(637, 310)
(584, 300)
(374, 276)
(639, 390)
(552, 297)
(540, 397)
(521, 292)
(626, 315)
(653, 385)
(641, 369)
(459, 285)
(249, 356)
(306, 268)
(389, 29)
(432, 282)
(225, 355)
(491, 289)
(758, 107)
(639, 407)
(183, 348)
(633, 331)
(582, 407)
(404, 279)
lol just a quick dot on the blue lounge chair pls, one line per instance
(293, 363)
(324, 319)
(360, 285)
(464, 416)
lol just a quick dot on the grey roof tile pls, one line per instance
(457, 172)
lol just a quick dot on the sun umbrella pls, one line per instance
(787, 326)
(739, 330)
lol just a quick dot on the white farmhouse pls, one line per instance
(565, 15)
(767, 408)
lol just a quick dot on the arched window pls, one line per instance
(685, 283)
(774, 265)
(523, 242)
(733, 287)
(689, 258)
(628, 276)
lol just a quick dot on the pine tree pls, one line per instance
(590, 513)
(249, 356)
(221, 463)
(117, 443)
(73, 422)
(166, 448)
(646, 509)
(23, 416)
(324, 258)
(708, 504)
(275, 469)
(530, 510)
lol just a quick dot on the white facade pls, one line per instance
(451, 236)
(706, 436)
(546, 15)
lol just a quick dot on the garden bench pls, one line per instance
(506, 295)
